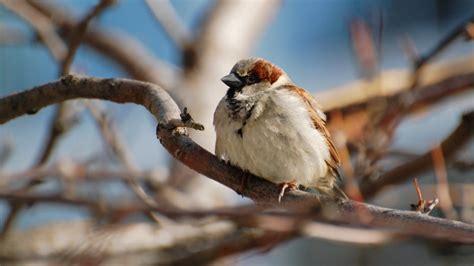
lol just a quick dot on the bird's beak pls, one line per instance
(232, 81)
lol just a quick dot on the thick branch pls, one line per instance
(160, 104)
(152, 97)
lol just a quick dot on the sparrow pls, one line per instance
(270, 127)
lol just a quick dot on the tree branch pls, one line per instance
(119, 47)
(458, 31)
(174, 139)
(355, 96)
(137, 243)
(458, 138)
(165, 14)
(41, 24)
(77, 34)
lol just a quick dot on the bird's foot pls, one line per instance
(284, 186)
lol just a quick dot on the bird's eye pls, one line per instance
(252, 79)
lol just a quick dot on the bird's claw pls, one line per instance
(284, 186)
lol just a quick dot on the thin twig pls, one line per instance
(111, 137)
(452, 35)
(79, 171)
(423, 206)
(77, 34)
(165, 14)
(409, 48)
(123, 49)
(418, 189)
(41, 24)
(63, 119)
(364, 48)
(442, 188)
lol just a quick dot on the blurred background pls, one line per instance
(311, 40)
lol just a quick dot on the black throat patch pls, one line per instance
(239, 110)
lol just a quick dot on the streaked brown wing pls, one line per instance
(319, 124)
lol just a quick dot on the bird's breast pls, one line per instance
(239, 107)
(275, 140)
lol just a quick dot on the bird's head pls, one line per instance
(253, 75)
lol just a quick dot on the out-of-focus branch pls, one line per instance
(174, 139)
(13, 36)
(470, 31)
(292, 221)
(64, 118)
(127, 52)
(42, 25)
(364, 48)
(463, 165)
(77, 171)
(461, 135)
(137, 243)
(60, 123)
(363, 99)
(166, 16)
(77, 34)
(439, 165)
(199, 243)
(454, 34)
(111, 137)
(6, 150)
(355, 96)
(419, 62)
(356, 117)
(166, 195)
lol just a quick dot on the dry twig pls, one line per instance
(165, 14)
(423, 206)
(442, 188)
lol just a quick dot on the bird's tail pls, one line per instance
(339, 193)
(329, 186)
